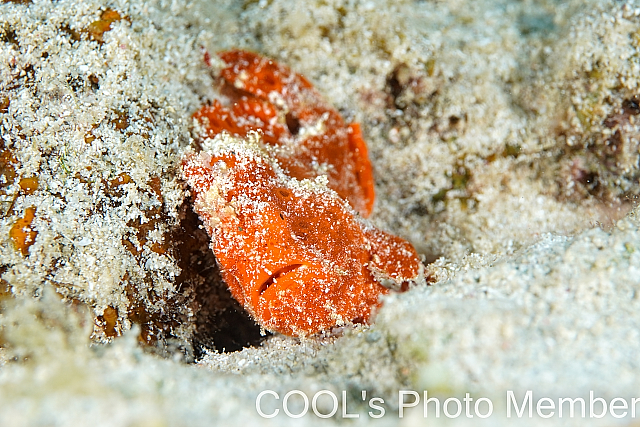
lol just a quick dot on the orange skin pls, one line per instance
(296, 254)
(253, 83)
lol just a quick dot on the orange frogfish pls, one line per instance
(282, 185)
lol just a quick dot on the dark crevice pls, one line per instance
(221, 324)
(293, 124)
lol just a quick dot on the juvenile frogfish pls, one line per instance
(282, 186)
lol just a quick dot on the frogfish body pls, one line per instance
(282, 186)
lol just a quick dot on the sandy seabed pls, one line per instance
(504, 137)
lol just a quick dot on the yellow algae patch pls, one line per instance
(97, 28)
(22, 234)
(7, 170)
(121, 179)
(4, 105)
(109, 321)
(5, 289)
(29, 185)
